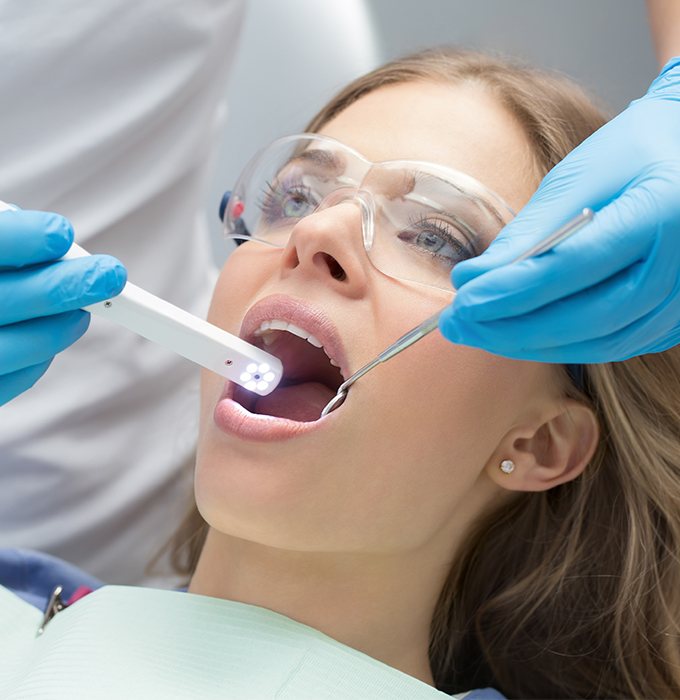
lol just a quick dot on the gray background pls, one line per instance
(294, 54)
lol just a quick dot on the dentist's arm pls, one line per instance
(40, 296)
(664, 21)
(610, 292)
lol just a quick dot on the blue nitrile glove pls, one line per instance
(611, 291)
(40, 299)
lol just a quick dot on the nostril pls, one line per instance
(334, 267)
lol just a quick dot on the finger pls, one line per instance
(620, 235)
(32, 237)
(11, 385)
(550, 334)
(615, 347)
(595, 312)
(57, 287)
(32, 342)
(578, 353)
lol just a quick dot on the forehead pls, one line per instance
(460, 126)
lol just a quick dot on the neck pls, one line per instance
(380, 605)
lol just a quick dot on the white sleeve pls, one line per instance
(109, 112)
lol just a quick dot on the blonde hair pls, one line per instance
(575, 591)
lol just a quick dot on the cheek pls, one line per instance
(443, 402)
(243, 274)
(463, 398)
(427, 423)
(459, 399)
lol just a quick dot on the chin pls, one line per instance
(256, 493)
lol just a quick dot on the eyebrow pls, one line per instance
(483, 203)
(326, 160)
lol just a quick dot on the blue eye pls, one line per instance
(438, 239)
(296, 204)
(287, 201)
(430, 241)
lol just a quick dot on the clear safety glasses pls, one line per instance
(418, 219)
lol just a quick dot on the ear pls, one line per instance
(552, 451)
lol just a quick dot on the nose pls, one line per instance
(328, 246)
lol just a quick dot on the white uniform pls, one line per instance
(109, 111)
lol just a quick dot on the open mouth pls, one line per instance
(310, 377)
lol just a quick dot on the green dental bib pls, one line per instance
(123, 642)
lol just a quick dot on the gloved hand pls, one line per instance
(612, 290)
(40, 299)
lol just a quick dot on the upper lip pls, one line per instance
(299, 313)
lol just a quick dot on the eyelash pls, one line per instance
(268, 199)
(442, 229)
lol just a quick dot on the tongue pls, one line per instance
(301, 402)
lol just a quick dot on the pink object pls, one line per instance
(79, 593)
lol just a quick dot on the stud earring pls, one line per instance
(507, 466)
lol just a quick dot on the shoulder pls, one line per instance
(34, 575)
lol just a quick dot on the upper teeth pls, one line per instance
(277, 325)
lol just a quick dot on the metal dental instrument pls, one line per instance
(429, 324)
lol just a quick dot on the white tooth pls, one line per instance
(278, 325)
(334, 363)
(264, 326)
(268, 338)
(301, 333)
(296, 330)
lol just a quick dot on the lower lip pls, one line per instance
(231, 418)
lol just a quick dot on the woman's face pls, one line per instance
(406, 458)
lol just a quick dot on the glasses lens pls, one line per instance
(419, 219)
(428, 219)
(285, 183)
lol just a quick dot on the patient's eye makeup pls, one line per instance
(299, 185)
(287, 198)
(437, 238)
